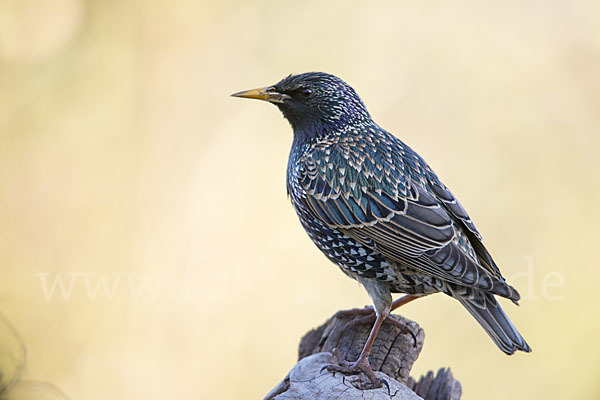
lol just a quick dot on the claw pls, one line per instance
(355, 368)
(387, 385)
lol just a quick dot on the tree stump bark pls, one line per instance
(395, 350)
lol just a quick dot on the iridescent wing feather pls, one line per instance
(420, 226)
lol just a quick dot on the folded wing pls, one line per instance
(424, 228)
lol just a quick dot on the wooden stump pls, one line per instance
(395, 350)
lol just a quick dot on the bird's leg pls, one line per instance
(362, 363)
(370, 316)
(369, 311)
(400, 302)
(403, 300)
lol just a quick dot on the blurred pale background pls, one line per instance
(123, 158)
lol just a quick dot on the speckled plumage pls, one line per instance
(375, 208)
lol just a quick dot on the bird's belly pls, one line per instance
(360, 261)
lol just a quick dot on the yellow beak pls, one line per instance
(266, 93)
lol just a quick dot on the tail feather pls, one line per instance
(494, 321)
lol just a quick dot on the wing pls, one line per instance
(406, 222)
(456, 210)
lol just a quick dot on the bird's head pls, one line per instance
(315, 103)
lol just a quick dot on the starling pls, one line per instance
(376, 209)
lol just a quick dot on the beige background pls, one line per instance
(122, 157)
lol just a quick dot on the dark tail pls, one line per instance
(490, 316)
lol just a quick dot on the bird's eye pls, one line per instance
(306, 92)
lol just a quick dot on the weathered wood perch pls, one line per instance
(393, 354)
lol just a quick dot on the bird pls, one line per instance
(378, 211)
